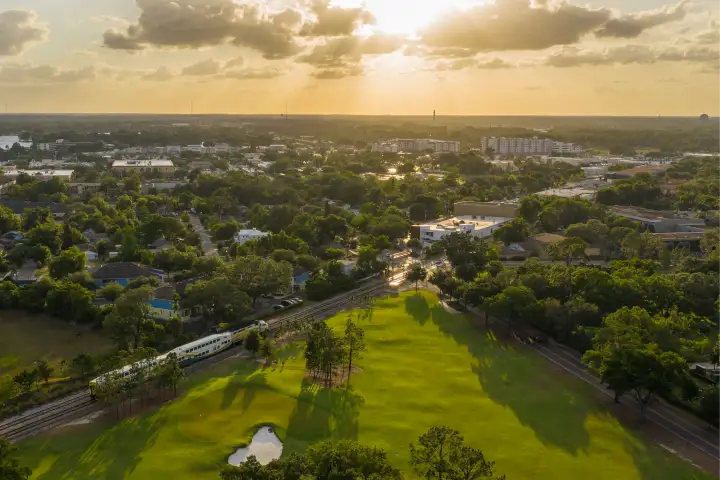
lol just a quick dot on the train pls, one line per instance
(186, 354)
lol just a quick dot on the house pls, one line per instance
(244, 235)
(163, 306)
(347, 266)
(94, 237)
(26, 274)
(81, 188)
(18, 206)
(11, 238)
(91, 256)
(300, 276)
(689, 240)
(540, 243)
(124, 272)
(159, 245)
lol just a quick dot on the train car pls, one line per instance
(186, 354)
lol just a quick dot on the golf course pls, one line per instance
(423, 366)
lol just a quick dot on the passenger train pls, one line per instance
(186, 354)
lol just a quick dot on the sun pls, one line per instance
(407, 17)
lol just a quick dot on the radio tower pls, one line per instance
(433, 115)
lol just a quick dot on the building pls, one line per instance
(658, 221)
(477, 226)
(124, 272)
(134, 165)
(300, 276)
(655, 170)
(688, 240)
(163, 306)
(13, 173)
(540, 243)
(244, 235)
(157, 187)
(569, 192)
(485, 209)
(417, 145)
(81, 188)
(527, 146)
(200, 165)
(19, 206)
(7, 141)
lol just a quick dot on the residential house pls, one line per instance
(300, 276)
(124, 272)
(688, 240)
(540, 243)
(81, 188)
(159, 245)
(26, 274)
(18, 206)
(347, 266)
(163, 306)
(244, 235)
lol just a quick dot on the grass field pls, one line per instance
(424, 366)
(25, 339)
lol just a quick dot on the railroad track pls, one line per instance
(66, 409)
(45, 416)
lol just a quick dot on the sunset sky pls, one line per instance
(482, 57)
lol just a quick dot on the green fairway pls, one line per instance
(424, 366)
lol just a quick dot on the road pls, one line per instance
(206, 242)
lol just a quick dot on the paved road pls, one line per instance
(206, 242)
(662, 414)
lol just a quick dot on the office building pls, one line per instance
(527, 146)
(155, 166)
(477, 226)
(417, 145)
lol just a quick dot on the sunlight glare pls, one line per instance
(407, 17)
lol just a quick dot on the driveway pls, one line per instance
(206, 242)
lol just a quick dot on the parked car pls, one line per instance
(287, 303)
(278, 307)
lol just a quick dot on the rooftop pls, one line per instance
(143, 163)
(649, 215)
(680, 235)
(474, 221)
(548, 238)
(118, 270)
(643, 169)
(39, 173)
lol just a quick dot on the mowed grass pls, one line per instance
(24, 339)
(423, 367)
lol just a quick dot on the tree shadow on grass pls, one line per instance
(321, 414)
(113, 455)
(511, 378)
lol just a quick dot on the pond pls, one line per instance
(265, 445)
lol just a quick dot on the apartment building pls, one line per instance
(157, 166)
(477, 226)
(417, 145)
(527, 146)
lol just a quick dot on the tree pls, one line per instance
(169, 374)
(257, 276)
(354, 343)
(83, 365)
(10, 468)
(267, 349)
(514, 231)
(9, 221)
(641, 245)
(69, 261)
(709, 401)
(440, 453)
(567, 249)
(468, 254)
(324, 351)
(710, 241)
(129, 320)
(414, 243)
(44, 370)
(513, 303)
(219, 299)
(252, 341)
(45, 234)
(26, 379)
(111, 291)
(70, 301)
(417, 274)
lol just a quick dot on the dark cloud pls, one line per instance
(22, 73)
(631, 54)
(506, 25)
(203, 68)
(632, 25)
(341, 56)
(18, 28)
(335, 21)
(200, 23)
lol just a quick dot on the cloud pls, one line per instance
(631, 54)
(475, 63)
(25, 73)
(711, 36)
(18, 29)
(633, 24)
(160, 75)
(506, 25)
(254, 73)
(202, 68)
(335, 21)
(193, 24)
(235, 62)
(341, 56)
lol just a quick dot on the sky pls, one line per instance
(402, 57)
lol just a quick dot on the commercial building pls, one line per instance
(156, 166)
(485, 209)
(417, 145)
(540, 243)
(527, 146)
(477, 226)
(81, 188)
(13, 173)
(655, 170)
(244, 235)
(659, 221)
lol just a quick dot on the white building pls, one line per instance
(277, 148)
(477, 225)
(39, 174)
(244, 235)
(135, 165)
(527, 146)
(7, 141)
(417, 145)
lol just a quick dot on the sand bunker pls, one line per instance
(265, 445)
